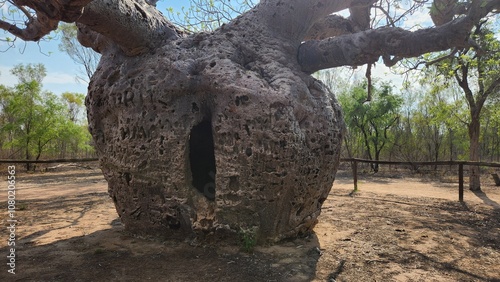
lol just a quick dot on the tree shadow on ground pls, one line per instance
(114, 255)
(398, 238)
(72, 177)
(482, 195)
(83, 203)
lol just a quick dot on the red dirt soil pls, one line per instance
(393, 229)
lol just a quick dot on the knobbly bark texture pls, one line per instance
(216, 130)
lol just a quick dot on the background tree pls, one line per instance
(35, 121)
(373, 120)
(476, 71)
(4, 116)
(75, 105)
(83, 56)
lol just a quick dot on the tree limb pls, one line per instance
(451, 55)
(331, 26)
(135, 26)
(294, 18)
(360, 13)
(335, 25)
(464, 84)
(46, 18)
(443, 11)
(368, 46)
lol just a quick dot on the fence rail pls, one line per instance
(354, 162)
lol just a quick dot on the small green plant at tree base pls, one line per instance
(354, 191)
(99, 251)
(22, 206)
(248, 238)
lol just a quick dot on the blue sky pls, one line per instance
(61, 70)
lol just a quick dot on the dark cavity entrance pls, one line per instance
(202, 158)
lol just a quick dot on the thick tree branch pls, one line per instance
(46, 18)
(368, 46)
(335, 25)
(443, 11)
(331, 26)
(294, 18)
(135, 26)
(360, 13)
(34, 30)
(62, 10)
(92, 39)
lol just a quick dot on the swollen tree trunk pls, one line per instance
(219, 130)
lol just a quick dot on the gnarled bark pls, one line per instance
(143, 29)
(215, 131)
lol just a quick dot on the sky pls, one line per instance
(62, 71)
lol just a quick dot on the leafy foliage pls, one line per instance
(35, 122)
(476, 72)
(370, 122)
(83, 56)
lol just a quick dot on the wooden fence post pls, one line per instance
(461, 182)
(355, 175)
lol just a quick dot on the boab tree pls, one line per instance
(228, 129)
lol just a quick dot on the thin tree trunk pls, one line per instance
(474, 155)
(27, 152)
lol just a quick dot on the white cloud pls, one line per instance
(385, 74)
(55, 82)
(419, 19)
(6, 78)
(59, 78)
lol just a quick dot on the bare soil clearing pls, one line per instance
(394, 229)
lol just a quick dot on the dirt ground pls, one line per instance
(393, 229)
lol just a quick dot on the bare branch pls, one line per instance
(443, 11)
(333, 25)
(368, 46)
(360, 13)
(144, 27)
(294, 18)
(442, 58)
(46, 18)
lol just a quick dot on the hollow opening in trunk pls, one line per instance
(202, 158)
